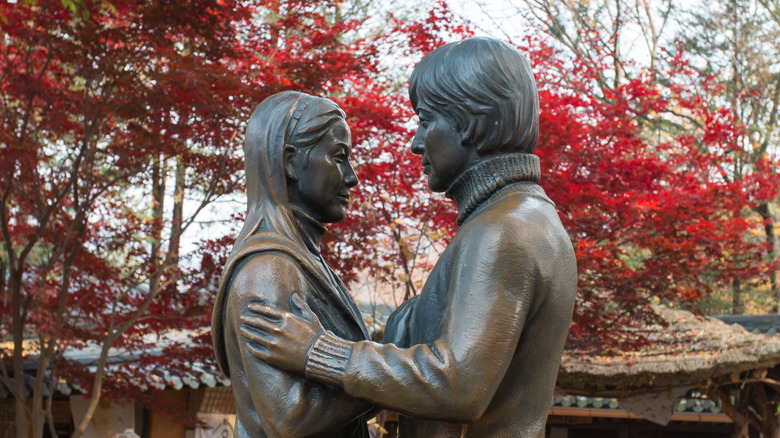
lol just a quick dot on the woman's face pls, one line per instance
(323, 175)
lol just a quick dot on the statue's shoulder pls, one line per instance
(267, 264)
(266, 267)
(262, 269)
(513, 206)
(517, 221)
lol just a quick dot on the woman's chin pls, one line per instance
(335, 216)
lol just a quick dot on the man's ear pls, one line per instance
(482, 133)
(476, 132)
(288, 155)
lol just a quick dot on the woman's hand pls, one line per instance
(281, 338)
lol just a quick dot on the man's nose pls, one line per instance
(350, 177)
(418, 145)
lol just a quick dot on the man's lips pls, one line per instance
(344, 197)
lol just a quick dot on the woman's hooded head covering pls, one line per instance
(286, 118)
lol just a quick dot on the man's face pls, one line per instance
(444, 157)
(324, 176)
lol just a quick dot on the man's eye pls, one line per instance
(340, 158)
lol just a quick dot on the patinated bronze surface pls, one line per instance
(477, 352)
(298, 177)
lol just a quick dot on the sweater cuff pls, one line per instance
(328, 359)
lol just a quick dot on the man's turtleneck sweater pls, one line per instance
(483, 180)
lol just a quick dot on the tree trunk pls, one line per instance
(737, 307)
(20, 389)
(178, 215)
(771, 240)
(741, 423)
(741, 430)
(158, 203)
(97, 387)
(616, 45)
(771, 430)
(766, 408)
(39, 413)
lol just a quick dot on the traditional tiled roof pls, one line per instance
(152, 376)
(196, 378)
(766, 324)
(695, 405)
(695, 410)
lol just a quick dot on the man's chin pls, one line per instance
(435, 186)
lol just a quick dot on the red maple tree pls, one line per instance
(650, 213)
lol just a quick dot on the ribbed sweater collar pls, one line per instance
(485, 178)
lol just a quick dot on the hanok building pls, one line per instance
(697, 377)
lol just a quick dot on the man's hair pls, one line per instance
(486, 88)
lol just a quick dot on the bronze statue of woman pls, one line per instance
(298, 176)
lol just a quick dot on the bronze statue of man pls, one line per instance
(476, 353)
(298, 176)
